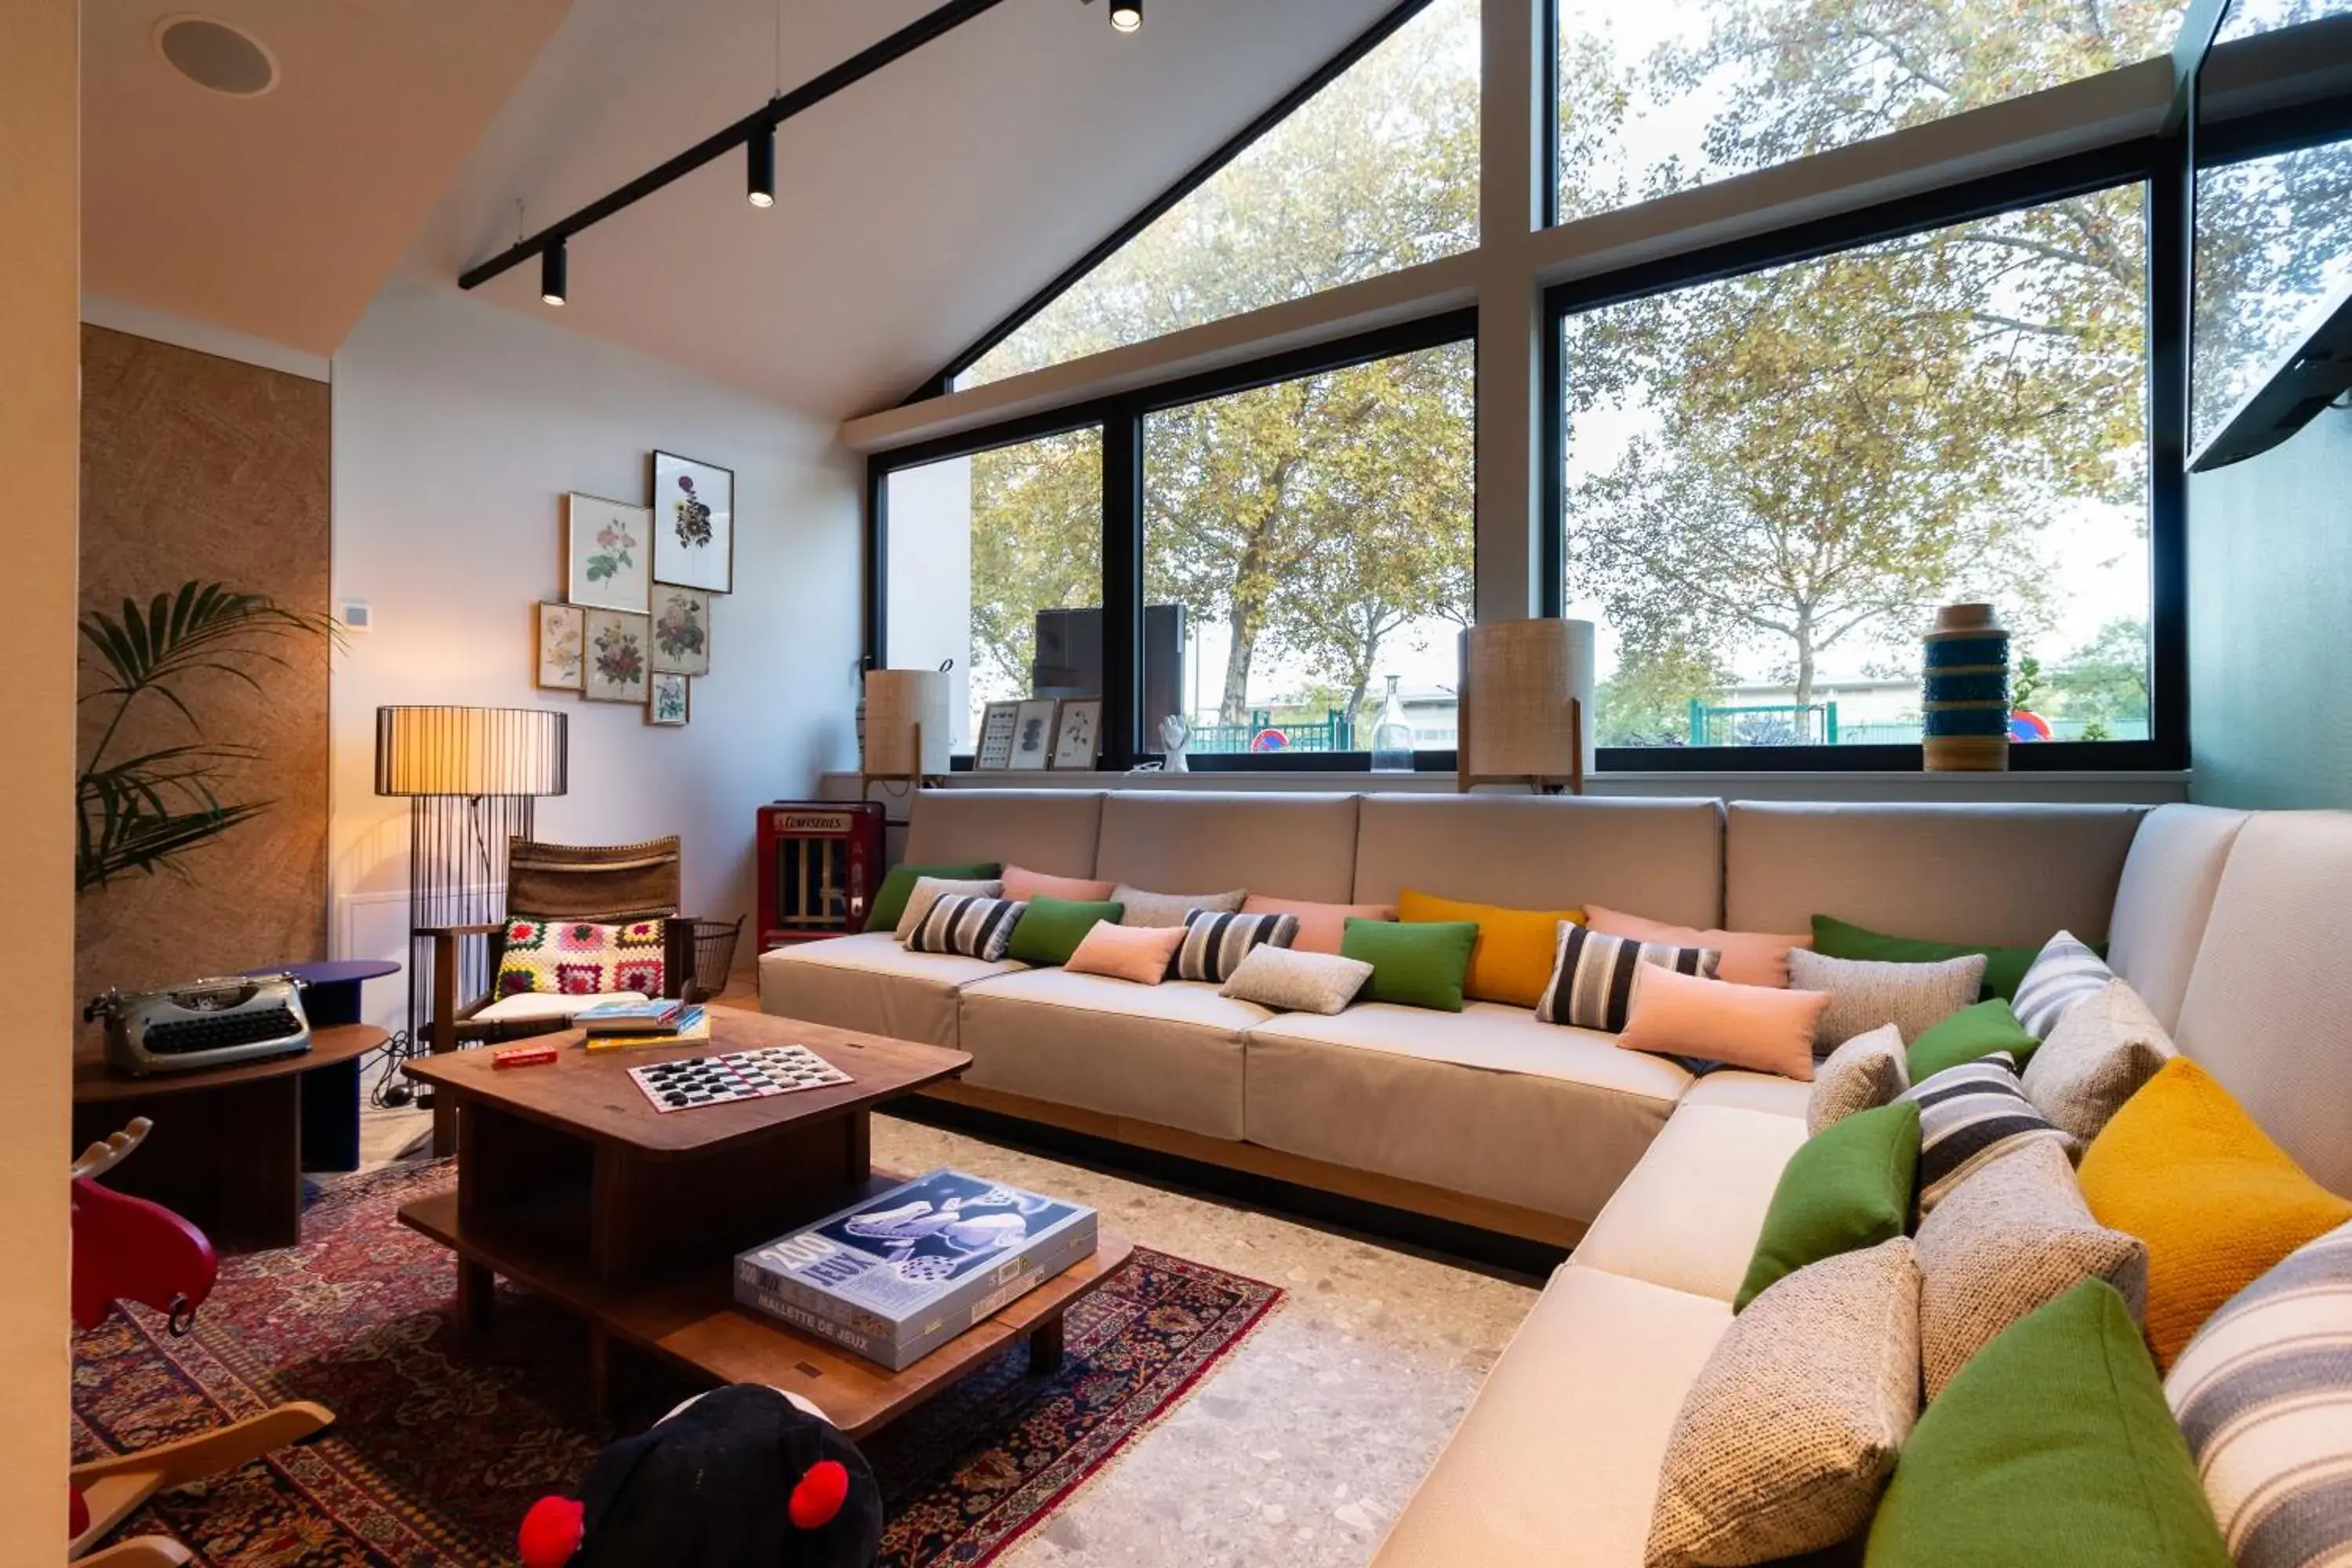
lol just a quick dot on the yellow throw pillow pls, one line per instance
(2185, 1168)
(1512, 962)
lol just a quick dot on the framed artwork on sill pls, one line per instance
(615, 651)
(1077, 733)
(561, 637)
(1032, 734)
(681, 630)
(668, 700)
(607, 554)
(994, 752)
(694, 524)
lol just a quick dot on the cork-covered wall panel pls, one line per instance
(196, 467)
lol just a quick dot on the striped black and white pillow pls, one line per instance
(965, 923)
(2264, 1394)
(1215, 944)
(1969, 1116)
(2064, 973)
(1592, 984)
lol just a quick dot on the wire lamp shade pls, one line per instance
(472, 751)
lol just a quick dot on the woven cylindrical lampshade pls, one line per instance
(1517, 679)
(471, 750)
(896, 702)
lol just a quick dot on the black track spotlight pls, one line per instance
(552, 266)
(1127, 16)
(760, 168)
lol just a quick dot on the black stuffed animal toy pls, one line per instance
(743, 1477)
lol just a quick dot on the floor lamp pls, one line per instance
(471, 776)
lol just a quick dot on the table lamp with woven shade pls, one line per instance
(1525, 697)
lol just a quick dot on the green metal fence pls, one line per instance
(1333, 732)
(1782, 724)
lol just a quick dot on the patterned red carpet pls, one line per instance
(441, 1441)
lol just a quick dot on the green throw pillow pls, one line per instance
(890, 899)
(2004, 966)
(2051, 1446)
(1050, 929)
(1419, 964)
(1970, 1033)
(1847, 1187)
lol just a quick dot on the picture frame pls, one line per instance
(607, 553)
(993, 752)
(693, 523)
(1032, 734)
(614, 656)
(669, 698)
(681, 630)
(1077, 733)
(561, 640)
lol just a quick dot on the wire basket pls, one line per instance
(714, 953)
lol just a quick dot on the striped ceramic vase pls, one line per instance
(1966, 706)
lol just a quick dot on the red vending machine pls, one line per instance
(820, 863)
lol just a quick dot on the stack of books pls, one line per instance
(617, 1026)
(893, 1277)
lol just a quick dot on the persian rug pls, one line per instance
(441, 1440)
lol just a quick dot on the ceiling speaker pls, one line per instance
(215, 55)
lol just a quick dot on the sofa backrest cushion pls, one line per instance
(1661, 859)
(1048, 830)
(1284, 846)
(2164, 899)
(2269, 1008)
(2006, 876)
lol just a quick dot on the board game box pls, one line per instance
(893, 1276)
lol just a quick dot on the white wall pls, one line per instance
(458, 428)
(929, 581)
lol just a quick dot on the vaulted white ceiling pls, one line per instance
(913, 210)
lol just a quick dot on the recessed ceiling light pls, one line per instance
(215, 55)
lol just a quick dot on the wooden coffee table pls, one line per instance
(572, 1185)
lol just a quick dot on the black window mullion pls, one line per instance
(878, 564)
(2171, 244)
(1122, 587)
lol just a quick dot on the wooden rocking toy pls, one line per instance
(126, 1248)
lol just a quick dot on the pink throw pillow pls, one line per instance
(1142, 954)
(1321, 926)
(1749, 958)
(1743, 1026)
(1020, 885)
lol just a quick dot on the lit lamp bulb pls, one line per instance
(760, 169)
(1127, 16)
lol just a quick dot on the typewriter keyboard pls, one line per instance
(183, 1036)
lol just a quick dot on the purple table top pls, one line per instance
(336, 972)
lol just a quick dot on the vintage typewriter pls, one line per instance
(204, 1023)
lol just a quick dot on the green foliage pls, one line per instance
(141, 813)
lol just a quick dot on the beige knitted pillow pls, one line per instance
(2099, 1053)
(2012, 1237)
(1864, 993)
(1293, 982)
(1866, 1072)
(1792, 1430)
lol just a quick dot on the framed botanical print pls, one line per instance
(615, 651)
(1077, 733)
(994, 751)
(681, 630)
(607, 553)
(561, 636)
(1032, 734)
(666, 700)
(694, 524)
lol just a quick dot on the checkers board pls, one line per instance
(691, 1081)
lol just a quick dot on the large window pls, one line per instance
(1316, 535)
(994, 567)
(1668, 94)
(1773, 478)
(1376, 172)
(2273, 256)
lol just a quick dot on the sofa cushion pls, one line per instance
(870, 983)
(1862, 1074)
(1970, 1034)
(898, 886)
(1291, 981)
(1688, 1216)
(1664, 857)
(1749, 958)
(2002, 875)
(1140, 955)
(1419, 964)
(975, 927)
(1557, 1461)
(1865, 995)
(1592, 976)
(1167, 1054)
(1766, 1027)
(1485, 1101)
(2164, 899)
(1142, 907)
(1051, 929)
(1321, 926)
(2102, 1052)
(1048, 830)
(1970, 1114)
(2066, 971)
(1290, 845)
(1743, 1090)
(1512, 958)
(1847, 1187)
